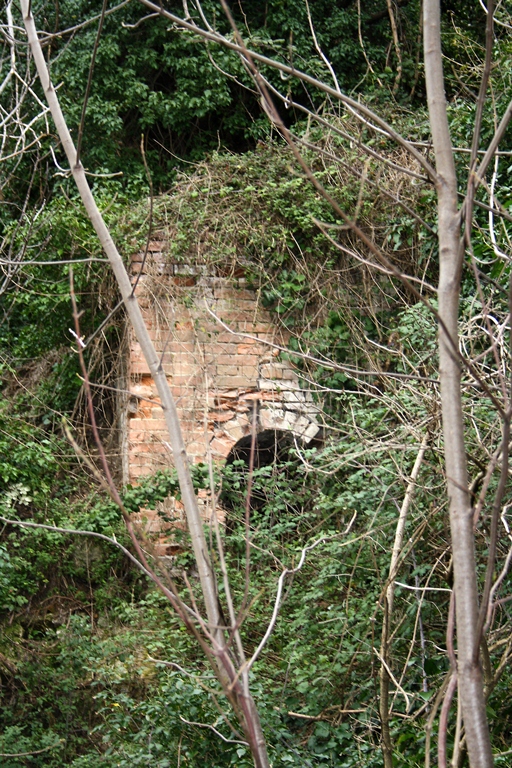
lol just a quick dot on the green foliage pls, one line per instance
(81, 630)
(98, 677)
(162, 484)
(14, 740)
(334, 600)
(35, 341)
(153, 78)
(90, 686)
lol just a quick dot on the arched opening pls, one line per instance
(279, 483)
(271, 446)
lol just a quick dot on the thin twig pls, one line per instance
(89, 83)
(59, 743)
(217, 733)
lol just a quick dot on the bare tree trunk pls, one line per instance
(135, 315)
(470, 677)
(245, 707)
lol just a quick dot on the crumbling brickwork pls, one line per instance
(222, 380)
(218, 376)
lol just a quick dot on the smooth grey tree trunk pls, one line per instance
(470, 677)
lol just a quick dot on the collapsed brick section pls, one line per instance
(221, 380)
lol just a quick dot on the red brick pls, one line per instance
(250, 347)
(230, 359)
(155, 425)
(222, 406)
(233, 317)
(204, 337)
(184, 335)
(227, 394)
(225, 348)
(139, 366)
(196, 449)
(232, 381)
(272, 371)
(220, 417)
(136, 437)
(180, 381)
(227, 336)
(228, 370)
(139, 471)
(251, 372)
(143, 390)
(178, 347)
(251, 396)
(184, 280)
(155, 333)
(248, 361)
(139, 424)
(185, 367)
(228, 292)
(221, 446)
(273, 396)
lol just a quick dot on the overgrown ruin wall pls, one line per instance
(220, 378)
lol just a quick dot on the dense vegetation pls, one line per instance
(95, 670)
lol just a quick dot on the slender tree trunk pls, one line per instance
(470, 677)
(135, 316)
(244, 704)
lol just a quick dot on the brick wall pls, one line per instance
(219, 378)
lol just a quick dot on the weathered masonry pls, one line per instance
(213, 337)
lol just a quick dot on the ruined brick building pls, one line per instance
(212, 335)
